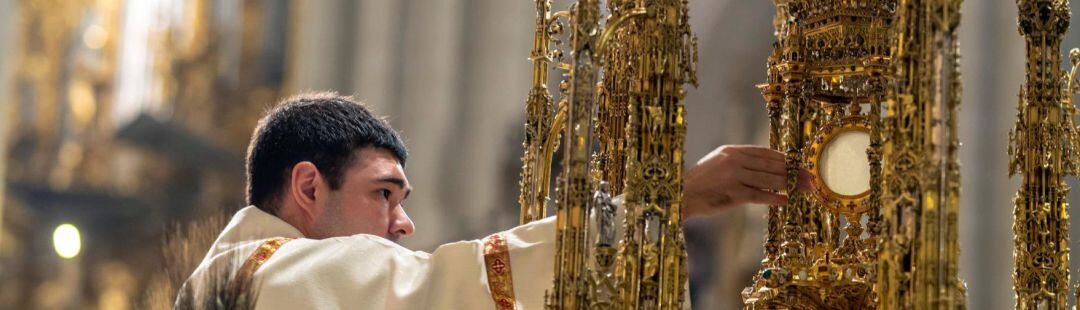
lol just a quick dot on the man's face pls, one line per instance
(369, 200)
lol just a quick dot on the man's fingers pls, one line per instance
(762, 180)
(753, 195)
(755, 163)
(769, 172)
(761, 152)
(768, 165)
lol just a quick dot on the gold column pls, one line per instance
(655, 59)
(627, 78)
(574, 186)
(536, 168)
(1043, 150)
(917, 267)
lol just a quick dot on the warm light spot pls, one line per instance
(95, 37)
(82, 101)
(66, 240)
(71, 154)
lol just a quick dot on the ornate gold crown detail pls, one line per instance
(1043, 17)
(813, 10)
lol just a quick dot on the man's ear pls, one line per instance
(305, 180)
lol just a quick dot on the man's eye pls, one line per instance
(385, 193)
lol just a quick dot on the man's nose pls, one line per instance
(401, 225)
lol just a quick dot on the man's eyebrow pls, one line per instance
(396, 181)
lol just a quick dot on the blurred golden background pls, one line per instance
(122, 122)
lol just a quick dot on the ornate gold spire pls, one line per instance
(921, 200)
(1043, 149)
(631, 73)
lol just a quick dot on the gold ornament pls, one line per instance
(1043, 148)
(835, 64)
(917, 267)
(623, 93)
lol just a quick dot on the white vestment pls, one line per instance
(370, 272)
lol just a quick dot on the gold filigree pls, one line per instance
(623, 125)
(835, 202)
(1043, 148)
(831, 62)
(917, 266)
(832, 59)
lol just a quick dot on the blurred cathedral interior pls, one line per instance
(124, 123)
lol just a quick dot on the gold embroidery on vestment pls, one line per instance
(497, 263)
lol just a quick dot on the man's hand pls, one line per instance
(733, 175)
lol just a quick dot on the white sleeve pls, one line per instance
(369, 272)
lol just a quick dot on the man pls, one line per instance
(326, 191)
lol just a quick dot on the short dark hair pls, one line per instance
(324, 128)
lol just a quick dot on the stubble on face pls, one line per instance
(331, 223)
(347, 211)
(334, 223)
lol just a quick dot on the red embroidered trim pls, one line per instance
(500, 278)
(257, 259)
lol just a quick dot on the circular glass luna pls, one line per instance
(843, 166)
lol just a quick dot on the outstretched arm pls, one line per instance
(369, 272)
